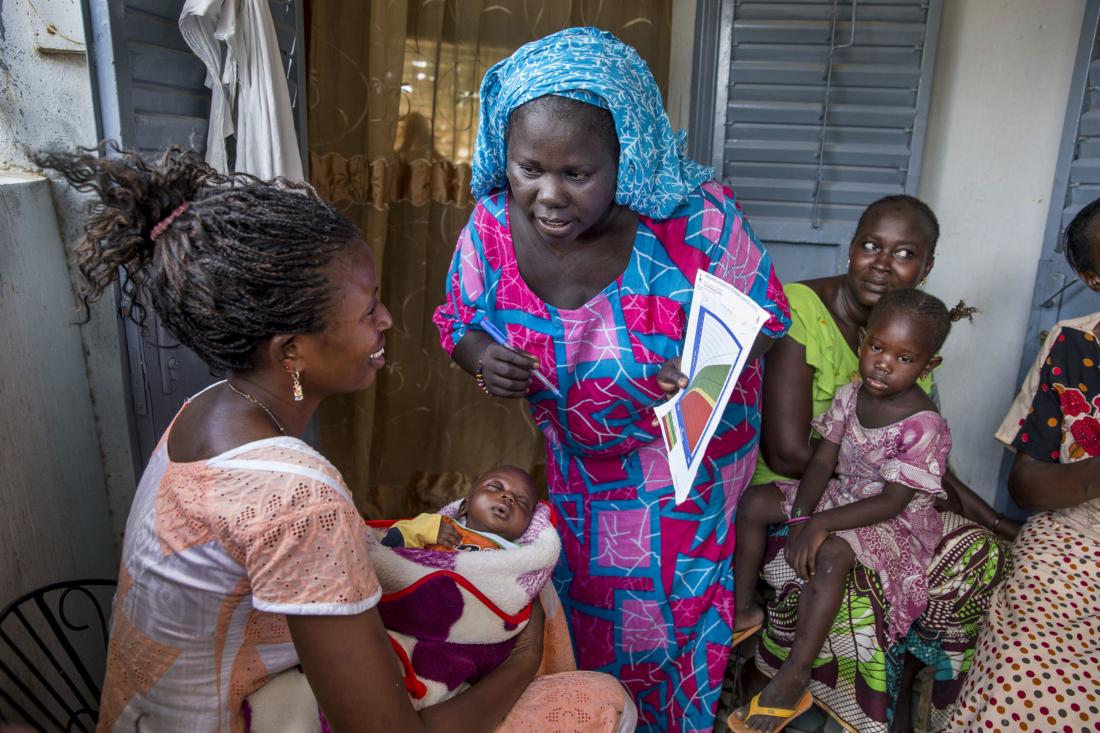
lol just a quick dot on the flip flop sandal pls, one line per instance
(740, 636)
(739, 725)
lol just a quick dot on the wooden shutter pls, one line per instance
(821, 108)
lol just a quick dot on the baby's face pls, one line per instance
(502, 502)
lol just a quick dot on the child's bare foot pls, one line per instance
(786, 691)
(747, 618)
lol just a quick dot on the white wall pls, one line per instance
(64, 442)
(998, 100)
(54, 524)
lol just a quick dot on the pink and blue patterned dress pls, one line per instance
(647, 584)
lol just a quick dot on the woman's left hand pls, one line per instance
(670, 379)
(802, 547)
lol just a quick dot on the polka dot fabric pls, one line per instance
(1037, 663)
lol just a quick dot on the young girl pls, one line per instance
(888, 446)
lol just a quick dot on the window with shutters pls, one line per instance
(820, 108)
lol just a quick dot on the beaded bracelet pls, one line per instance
(479, 375)
(799, 520)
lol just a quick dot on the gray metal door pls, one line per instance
(150, 93)
(810, 111)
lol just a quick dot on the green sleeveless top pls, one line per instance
(833, 361)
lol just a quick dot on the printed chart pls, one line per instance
(722, 325)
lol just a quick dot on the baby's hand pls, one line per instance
(670, 379)
(448, 535)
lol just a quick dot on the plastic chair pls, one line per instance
(53, 651)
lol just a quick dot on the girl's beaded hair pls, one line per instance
(928, 309)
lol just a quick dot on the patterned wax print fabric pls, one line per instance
(647, 585)
(857, 671)
(595, 67)
(217, 554)
(911, 452)
(827, 353)
(1037, 660)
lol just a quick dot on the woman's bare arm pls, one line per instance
(788, 407)
(761, 345)
(963, 500)
(815, 479)
(355, 675)
(1044, 486)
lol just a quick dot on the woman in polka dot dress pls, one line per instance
(1037, 662)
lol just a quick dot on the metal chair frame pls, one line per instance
(74, 707)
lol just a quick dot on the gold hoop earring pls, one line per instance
(296, 388)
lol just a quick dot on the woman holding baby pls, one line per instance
(244, 555)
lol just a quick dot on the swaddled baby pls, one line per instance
(453, 616)
(496, 513)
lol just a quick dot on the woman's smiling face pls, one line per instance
(345, 356)
(562, 176)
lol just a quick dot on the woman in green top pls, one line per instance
(856, 677)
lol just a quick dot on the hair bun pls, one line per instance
(132, 197)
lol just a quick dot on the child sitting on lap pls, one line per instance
(888, 446)
(495, 514)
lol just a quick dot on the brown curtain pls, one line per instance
(393, 109)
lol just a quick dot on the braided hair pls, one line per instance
(914, 204)
(244, 259)
(1076, 245)
(933, 316)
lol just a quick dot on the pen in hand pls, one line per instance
(496, 335)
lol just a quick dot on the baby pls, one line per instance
(495, 514)
(453, 616)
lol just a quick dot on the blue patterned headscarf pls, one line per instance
(592, 66)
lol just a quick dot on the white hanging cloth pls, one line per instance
(252, 74)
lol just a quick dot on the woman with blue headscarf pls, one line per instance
(582, 253)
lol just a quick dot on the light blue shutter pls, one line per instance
(150, 93)
(1058, 293)
(820, 108)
